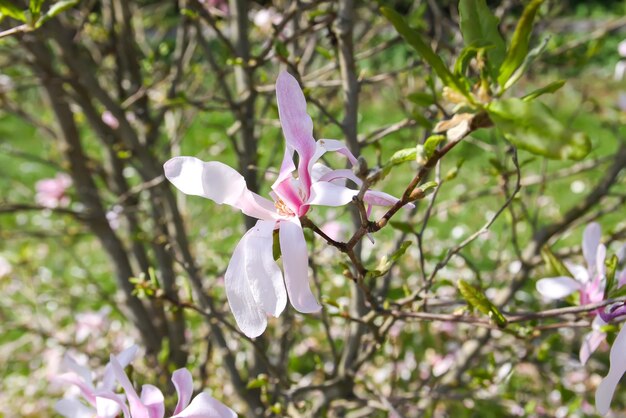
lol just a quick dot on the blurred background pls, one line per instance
(98, 252)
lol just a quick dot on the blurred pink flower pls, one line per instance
(334, 229)
(103, 402)
(5, 267)
(265, 18)
(90, 323)
(110, 120)
(51, 193)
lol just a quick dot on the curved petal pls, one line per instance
(248, 314)
(557, 287)
(153, 399)
(124, 359)
(579, 272)
(296, 123)
(590, 344)
(333, 145)
(218, 182)
(591, 240)
(204, 406)
(86, 389)
(606, 388)
(183, 383)
(73, 408)
(137, 409)
(82, 371)
(343, 173)
(264, 275)
(376, 198)
(600, 257)
(329, 194)
(109, 405)
(296, 266)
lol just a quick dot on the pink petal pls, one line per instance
(600, 256)
(343, 173)
(332, 145)
(590, 344)
(137, 409)
(73, 408)
(329, 194)
(376, 198)
(124, 359)
(296, 123)
(264, 275)
(183, 383)
(591, 240)
(152, 398)
(86, 389)
(204, 406)
(218, 182)
(296, 266)
(248, 314)
(557, 287)
(606, 388)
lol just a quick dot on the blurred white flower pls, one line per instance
(265, 18)
(5, 267)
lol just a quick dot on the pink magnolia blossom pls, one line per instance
(103, 402)
(51, 193)
(589, 282)
(110, 120)
(254, 282)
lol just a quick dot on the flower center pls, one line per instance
(282, 208)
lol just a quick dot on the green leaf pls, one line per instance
(401, 226)
(276, 253)
(386, 262)
(56, 9)
(550, 88)
(478, 24)
(519, 43)
(422, 99)
(35, 7)
(477, 300)
(431, 144)
(554, 266)
(531, 126)
(403, 155)
(259, 382)
(415, 40)
(466, 55)
(532, 55)
(8, 9)
(611, 268)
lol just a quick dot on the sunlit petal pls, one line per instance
(248, 314)
(264, 275)
(557, 287)
(591, 240)
(137, 409)
(183, 382)
(73, 408)
(204, 406)
(296, 265)
(218, 182)
(329, 194)
(606, 388)
(152, 398)
(590, 344)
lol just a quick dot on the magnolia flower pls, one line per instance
(105, 403)
(265, 18)
(253, 280)
(50, 193)
(589, 282)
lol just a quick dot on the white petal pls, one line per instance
(110, 405)
(580, 273)
(296, 266)
(606, 388)
(590, 344)
(246, 310)
(600, 257)
(73, 408)
(329, 194)
(264, 275)
(218, 182)
(204, 406)
(124, 359)
(557, 287)
(591, 240)
(333, 145)
(183, 383)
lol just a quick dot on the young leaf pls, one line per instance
(531, 126)
(478, 24)
(554, 265)
(8, 9)
(611, 268)
(550, 88)
(466, 55)
(35, 7)
(415, 40)
(519, 43)
(55, 9)
(477, 299)
(431, 144)
(422, 99)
